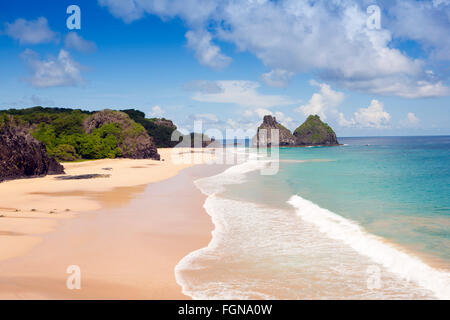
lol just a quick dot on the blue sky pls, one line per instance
(228, 63)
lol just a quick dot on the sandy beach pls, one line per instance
(126, 231)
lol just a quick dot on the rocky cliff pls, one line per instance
(132, 139)
(159, 129)
(314, 132)
(21, 155)
(264, 138)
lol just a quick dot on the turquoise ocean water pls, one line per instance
(328, 222)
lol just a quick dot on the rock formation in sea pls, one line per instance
(21, 155)
(132, 137)
(314, 132)
(264, 138)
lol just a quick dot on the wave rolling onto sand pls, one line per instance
(296, 251)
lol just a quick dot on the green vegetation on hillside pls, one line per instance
(315, 132)
(313, 123)
(63, 133)
(160, 129)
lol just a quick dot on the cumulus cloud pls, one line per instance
(53, 72)
(373, 116)
(343, 122)
(212, 125)
(330, 37)
(209, 117)
(201, 121)
(322, 103)
(255, 116)
(400, 86)
(243, 93)
(194, 12)
(285, 120)
(259, 112)
(427, 22)
(76, 42)
(411, 120)
(206, 52)
(157, 112)
(203, 86)
(277, 78)
(246, 125)
(127, 10)
(30, 32)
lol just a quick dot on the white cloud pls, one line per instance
(127, 10)
(206, 53)
(232, 123)
(259, 113)
(344, 122)
(76, 42)
(256, 116)
(206, 117)
(373, 116)
(157, 112)
(30, 32)
(328, 37)
(323, 103)
(426, 22)
(203, 86)
(285, 120)
(195, 12)
(437, 3)
(400, 86)
(200, 122)
(243, 93)
(53, 72)
(411, 120)
(277, 78)
(243, 124)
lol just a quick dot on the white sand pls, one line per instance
(29, 207)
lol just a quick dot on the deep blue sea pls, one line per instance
(369, 219)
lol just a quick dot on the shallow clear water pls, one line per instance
(320, 228)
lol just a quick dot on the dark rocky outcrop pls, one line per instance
(133, 139)
(21, 155)
(159, 129)
(83, 176)
(165, 123)
(264, 138)
(314, 132)
(193, 140)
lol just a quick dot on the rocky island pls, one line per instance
(286, 138)
(313, 132)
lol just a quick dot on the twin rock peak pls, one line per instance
(313, 132)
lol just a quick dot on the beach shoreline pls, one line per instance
(133, 226)
(149, 241)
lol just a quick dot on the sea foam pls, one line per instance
(331, 225)
(402, 264)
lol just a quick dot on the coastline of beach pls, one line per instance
(132, 211)
(132, 247)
